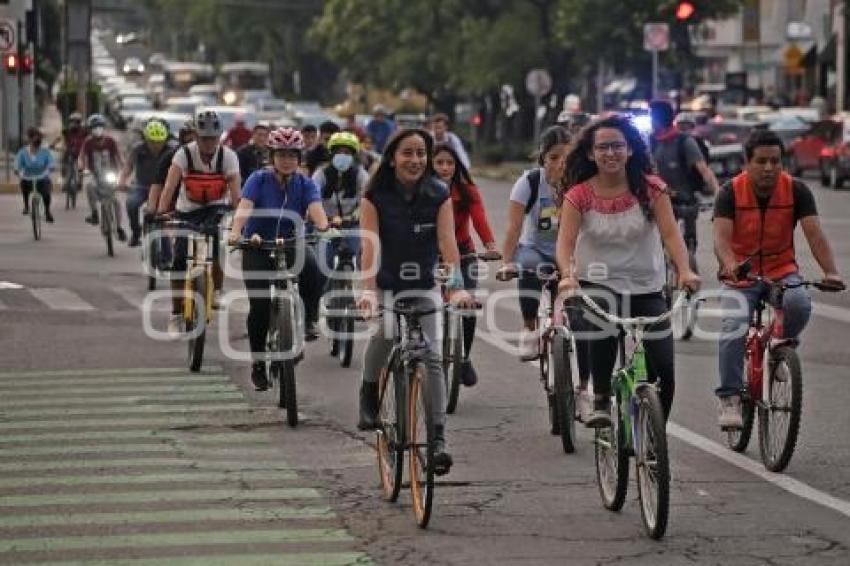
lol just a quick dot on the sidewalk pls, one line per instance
(51, 128)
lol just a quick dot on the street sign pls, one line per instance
(538, 82)
(656, 37)
(7, 35)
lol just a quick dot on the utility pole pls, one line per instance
(841, 57)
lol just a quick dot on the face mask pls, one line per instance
(342, 162)
(97, 131)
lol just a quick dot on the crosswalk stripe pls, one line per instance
(288, 559)
(173, 516)
(206, 370)
(49, 413)
(135, 400)
(14, 502)
(188, 475)
(112, 381)
(130, 390)
(122, 448)
(61, 299)
(136, 436)
(161, 540)
(136, 422)
(86, 466)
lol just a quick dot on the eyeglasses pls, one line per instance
(615, 147)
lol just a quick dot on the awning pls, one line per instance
(827, 56)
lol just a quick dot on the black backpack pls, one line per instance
(695, 180)
(534, 183)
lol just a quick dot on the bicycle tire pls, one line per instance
(554, 417)
(611, 456)
(739, 439)
(777, 446)
(389, 442)
(35, 215)
(197, 319)
(456, 368)
(653, 474)
(421, 453)
(346, 323)
(564, 392)
(106, 229)
(287, 394)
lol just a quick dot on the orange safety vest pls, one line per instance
(766, 236)
(201, 187)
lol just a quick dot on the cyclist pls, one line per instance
(341, 184)
(532, 230)
(254, 155)
(33, 164)
(143, 159)
(72, 139)
(683, 167)
(442, 135)
(311, 137)
(99, 155)
(755, 216)
(239, 134)
(368, 156)
(467, 205)
(406, 221)
(186, 135)
(320, 154)
(380, 127)
(205, 174)
(614, 218)
(275, 191)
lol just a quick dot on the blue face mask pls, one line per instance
(342, 162)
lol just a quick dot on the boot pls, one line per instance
(442, 459)
(368, 406)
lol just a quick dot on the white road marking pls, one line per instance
(61, 299)
(9, 285)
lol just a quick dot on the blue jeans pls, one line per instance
(136, 197)
(530, 286)
(797, 307)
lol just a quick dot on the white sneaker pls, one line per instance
(528, 345)
(584, 404)
(175, 325)
(730, 413)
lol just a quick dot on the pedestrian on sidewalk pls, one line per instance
(33, 164)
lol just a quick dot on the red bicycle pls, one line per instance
(774, 389)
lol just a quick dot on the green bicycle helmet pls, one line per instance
(344, 139)
(155, 131)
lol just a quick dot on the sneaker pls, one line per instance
(122, 235)
(584, 404)
(93, 219)
(311, 332)
(442, 459)
(528, 345)
(601, 415)
(730, 413)
(48, 217)
(135, 241)
(468, 376)
(258, 376)
(175, 325)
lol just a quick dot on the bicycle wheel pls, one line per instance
(345, 324)
(196, 323)
(456, 352)
(652, 464)
(739, 439)
(390, 437)
(333, 323)
(287, 395)
(152, 258)
(779, 414)
(564, 393)
(35, 215)
(421, 427)
(612, 461)
(106, 228)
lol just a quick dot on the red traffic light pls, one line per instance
(27, 64)
(10, 62)
(684, 11)
(476, 120)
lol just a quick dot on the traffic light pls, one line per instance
(685, 11)
(27, 64)
(10, 63)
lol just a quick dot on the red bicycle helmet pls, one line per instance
(286, 138)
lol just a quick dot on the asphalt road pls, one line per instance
(111, 451)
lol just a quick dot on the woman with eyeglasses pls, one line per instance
(616, 221)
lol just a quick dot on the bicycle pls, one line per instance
(454, 348)
(340, 314)
(105, 184)
(35, 205)
(558, 358)
(198, 283)
(405, 416)
(285, 337)
(151, 250)
(71, 186)
(774, 390)
(638, 427)
(684, 320)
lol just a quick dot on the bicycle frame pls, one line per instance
(199, 263)
(285, 283)
(763, 337)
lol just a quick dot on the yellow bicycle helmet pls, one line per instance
(155, 131)
(344, 139)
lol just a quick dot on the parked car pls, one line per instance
(815, 148)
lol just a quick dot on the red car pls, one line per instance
(824, 148)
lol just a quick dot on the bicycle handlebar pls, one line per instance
(637, 321)
(272, 245)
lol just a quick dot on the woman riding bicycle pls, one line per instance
(467, 205)
(274, 203)
(33, 164)
(407, 222)
(532, 231)
(614, 218)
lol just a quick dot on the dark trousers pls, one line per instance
(309, 288)
(43, 186)
(660, 349)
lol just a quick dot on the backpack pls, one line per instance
(202, 188)
(534, 183)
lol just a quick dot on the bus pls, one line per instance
(179, 76)
(245, 82)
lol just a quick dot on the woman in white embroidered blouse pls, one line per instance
(614, 218)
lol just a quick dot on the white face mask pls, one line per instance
(342, 162)
(97, 131)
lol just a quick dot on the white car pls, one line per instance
(205, 94)
(133, 66)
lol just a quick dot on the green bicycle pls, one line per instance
(638, 427)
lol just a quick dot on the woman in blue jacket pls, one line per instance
(33, 164)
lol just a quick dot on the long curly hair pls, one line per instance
(579, 167)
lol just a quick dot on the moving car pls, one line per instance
(133, 66)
